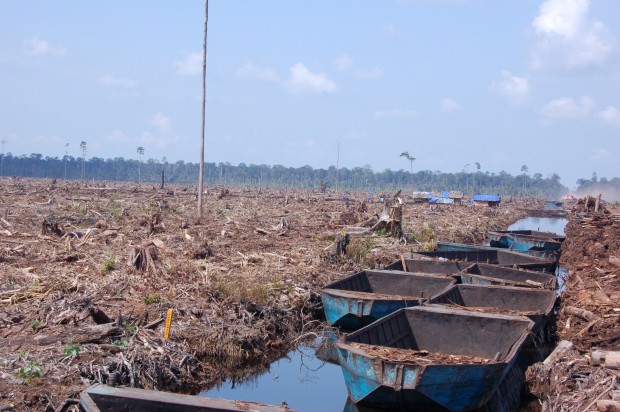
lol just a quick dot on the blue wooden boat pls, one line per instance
(521, 240)
(366, 296)
(102, 398)
(497, 256)
(429, 266)
(489, 275)
(431, 358)
(536, 304)
(507, 398)
(450, 246)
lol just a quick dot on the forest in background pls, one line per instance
(357, 178)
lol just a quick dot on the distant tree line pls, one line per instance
(602, 185)
(357, 178)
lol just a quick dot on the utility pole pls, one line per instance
(202, 129)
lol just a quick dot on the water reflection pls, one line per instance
(545, 224)
(301, 379)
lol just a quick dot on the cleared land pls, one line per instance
(88, 273)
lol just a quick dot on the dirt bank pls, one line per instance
(589, 316)
(88, 273)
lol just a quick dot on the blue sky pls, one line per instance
(453, 82)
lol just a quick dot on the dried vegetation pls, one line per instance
(87, 274)
(589, 317)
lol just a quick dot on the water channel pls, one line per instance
(307, 383)
(546, 224)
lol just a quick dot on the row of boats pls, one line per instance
(449, 330)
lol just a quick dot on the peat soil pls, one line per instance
(589, 315)
(89, 270)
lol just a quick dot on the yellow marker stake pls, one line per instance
(168, 323)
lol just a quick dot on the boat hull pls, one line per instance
(524, 240)
(375, 381)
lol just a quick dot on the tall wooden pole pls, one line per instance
(202, 129)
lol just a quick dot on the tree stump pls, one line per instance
(143, 257)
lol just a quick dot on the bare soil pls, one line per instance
(589, 315)
(88, 272)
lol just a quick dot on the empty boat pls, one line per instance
(497, 256)
(366, 296)
(509, 300)
(525, 240)
(431, 358)
(536, 304)
(450, 246)
(487, 274)
(102, 398)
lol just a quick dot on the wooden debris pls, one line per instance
(581, 313)
(608, 359)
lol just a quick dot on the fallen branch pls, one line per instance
(581, 313)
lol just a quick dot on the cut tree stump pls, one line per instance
(143, 257)
(391, 217)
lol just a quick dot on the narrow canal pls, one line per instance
(301, 379)
(545, 224)
(307, 383)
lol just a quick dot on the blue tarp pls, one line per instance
(444, 194)
(487, 198)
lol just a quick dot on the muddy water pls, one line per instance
(302, 380)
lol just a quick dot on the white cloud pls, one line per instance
(568, 38)
(567, 108)
(303, 80)
(561, 17)
(161, 122)
(39, 47)
(512, 87)
(600, 154)
(449, 105)
(253, 71)
(610, 116)
(111, 80)
(368, 74)
(396, 114)
(190, 66)
(343, 63)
